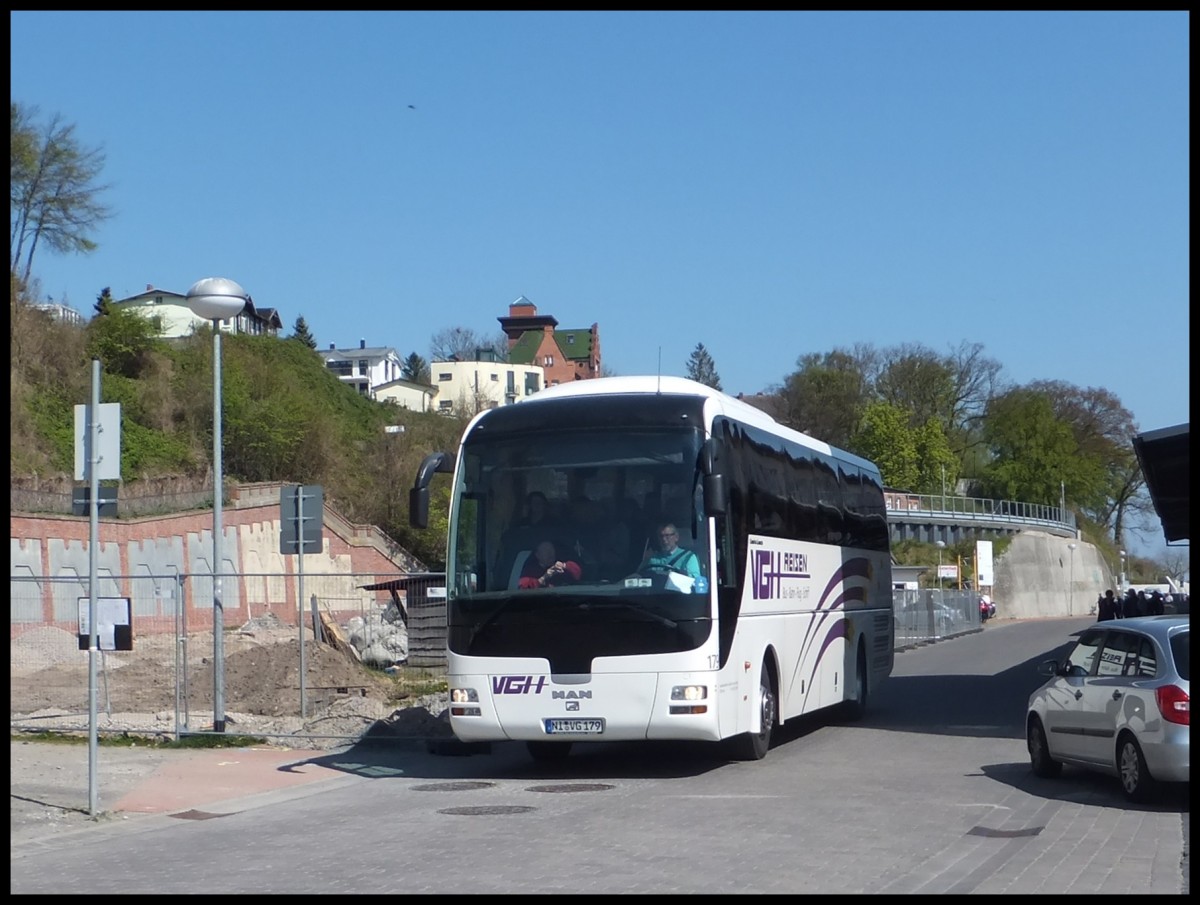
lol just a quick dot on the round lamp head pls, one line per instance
(216, 298)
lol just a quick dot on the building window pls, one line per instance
(362, 366)
(445, 376)
(445, 405)
(570, 338)
(548, 361)
(495, 378)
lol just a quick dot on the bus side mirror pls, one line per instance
(714, 480)
(418, 507)
(714, 494)
(418, 496)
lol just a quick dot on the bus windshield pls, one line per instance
(620, 509)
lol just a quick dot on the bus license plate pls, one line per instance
(574, 726)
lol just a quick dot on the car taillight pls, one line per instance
(1173, 704)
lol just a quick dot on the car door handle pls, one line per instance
(1078, 695)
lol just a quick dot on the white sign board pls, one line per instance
(113, 625)
(108, 441)
(985, 573)
(948, 571)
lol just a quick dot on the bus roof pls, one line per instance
(719, 403)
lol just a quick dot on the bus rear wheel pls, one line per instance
(754, 745)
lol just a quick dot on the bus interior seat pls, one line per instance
(514, 576)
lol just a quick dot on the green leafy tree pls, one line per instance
(416, 369)
(702, 369)
(301, 334)
(887, 440)
(826, 396)
(1031, 449)
(53, 193)
(124, 341)
(939, 465)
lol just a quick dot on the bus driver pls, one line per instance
(673, 557)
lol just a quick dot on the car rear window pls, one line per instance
(1181, 649)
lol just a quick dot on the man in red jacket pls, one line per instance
(543, 568)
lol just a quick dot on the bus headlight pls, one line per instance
(691, 694)
(460, 697)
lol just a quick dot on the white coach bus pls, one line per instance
(785, 610)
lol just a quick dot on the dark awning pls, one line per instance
(407, 581)
(1165, 457)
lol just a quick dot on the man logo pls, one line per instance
(572, 706)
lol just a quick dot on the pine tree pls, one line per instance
(301, 333)
(702, 369)
(416, 369)
(104, 301)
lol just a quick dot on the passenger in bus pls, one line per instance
(671, 557)
(544, 569)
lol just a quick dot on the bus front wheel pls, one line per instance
(754, 745)
(856, 706)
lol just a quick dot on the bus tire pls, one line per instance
(548, 750)
(856, 707)
(754, 745)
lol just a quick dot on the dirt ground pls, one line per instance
(137, 690)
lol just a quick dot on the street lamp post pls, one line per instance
(216, 299)
(941, 545)
(1071, 588)
(1122, 571)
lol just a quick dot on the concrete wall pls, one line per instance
(150, 552)
(1039, 575)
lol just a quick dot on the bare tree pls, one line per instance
(465, 344)
(53, 195)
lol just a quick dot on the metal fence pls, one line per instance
(292, 668)
(282, 661)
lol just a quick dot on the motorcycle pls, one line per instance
(987, 609)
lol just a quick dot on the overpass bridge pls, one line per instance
(940, 517)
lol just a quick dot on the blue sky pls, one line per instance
(767, 184)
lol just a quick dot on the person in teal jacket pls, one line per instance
(672, 557)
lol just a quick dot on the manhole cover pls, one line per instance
(573, 787)
(486, 811)
(464, 786)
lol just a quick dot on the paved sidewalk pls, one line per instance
(49, 782)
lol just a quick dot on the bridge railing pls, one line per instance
(965, 509)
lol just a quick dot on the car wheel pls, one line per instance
(1039, 751)
(754, 745)
(1136, 781)
(548, 750)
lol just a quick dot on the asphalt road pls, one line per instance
(930, 793)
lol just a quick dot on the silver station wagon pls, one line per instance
(1118, 704)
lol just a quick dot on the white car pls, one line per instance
(1118, 704)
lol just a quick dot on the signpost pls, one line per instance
(301, 520)
(97, 458)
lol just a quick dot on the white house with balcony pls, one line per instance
(178, 320)
(469, 387)
(366, 368)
